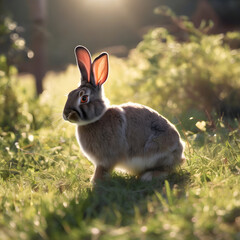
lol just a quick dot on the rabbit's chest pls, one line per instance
(103, 145)
(87, 145)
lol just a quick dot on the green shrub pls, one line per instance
(17, 113)
(12, 44)
(201, 74)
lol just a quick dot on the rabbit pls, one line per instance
(130, 136)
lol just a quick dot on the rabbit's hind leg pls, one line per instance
(149, 175)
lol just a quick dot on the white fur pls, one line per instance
(137, 165)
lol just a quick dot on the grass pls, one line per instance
(45, 191)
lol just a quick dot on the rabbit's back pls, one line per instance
(153, 142)
(142, 123)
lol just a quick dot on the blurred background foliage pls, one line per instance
(115, 26)
(201, 74)
(188, 75)
(18, 111)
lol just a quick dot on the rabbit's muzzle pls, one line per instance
(71, 116)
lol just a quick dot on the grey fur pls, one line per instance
(130, 136)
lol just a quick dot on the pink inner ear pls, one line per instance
(84, 59)
(100, 69)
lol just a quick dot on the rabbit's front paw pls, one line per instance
(99, 174)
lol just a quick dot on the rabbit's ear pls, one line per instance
(100, 69)
(84, 62)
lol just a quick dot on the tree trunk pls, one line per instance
(38, 13)
(205, 11)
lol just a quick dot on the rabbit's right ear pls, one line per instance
(83, 58)
(100, 68)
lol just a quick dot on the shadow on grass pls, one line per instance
(113, 202)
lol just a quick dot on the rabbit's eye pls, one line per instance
(84, 99)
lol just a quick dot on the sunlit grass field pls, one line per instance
(45, 190)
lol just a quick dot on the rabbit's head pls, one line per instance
(86, 104)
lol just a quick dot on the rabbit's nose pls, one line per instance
(71, 116)
(66, 114)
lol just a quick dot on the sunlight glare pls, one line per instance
(104, 3)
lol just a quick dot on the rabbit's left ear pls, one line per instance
(100, 69)
(84, 62)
